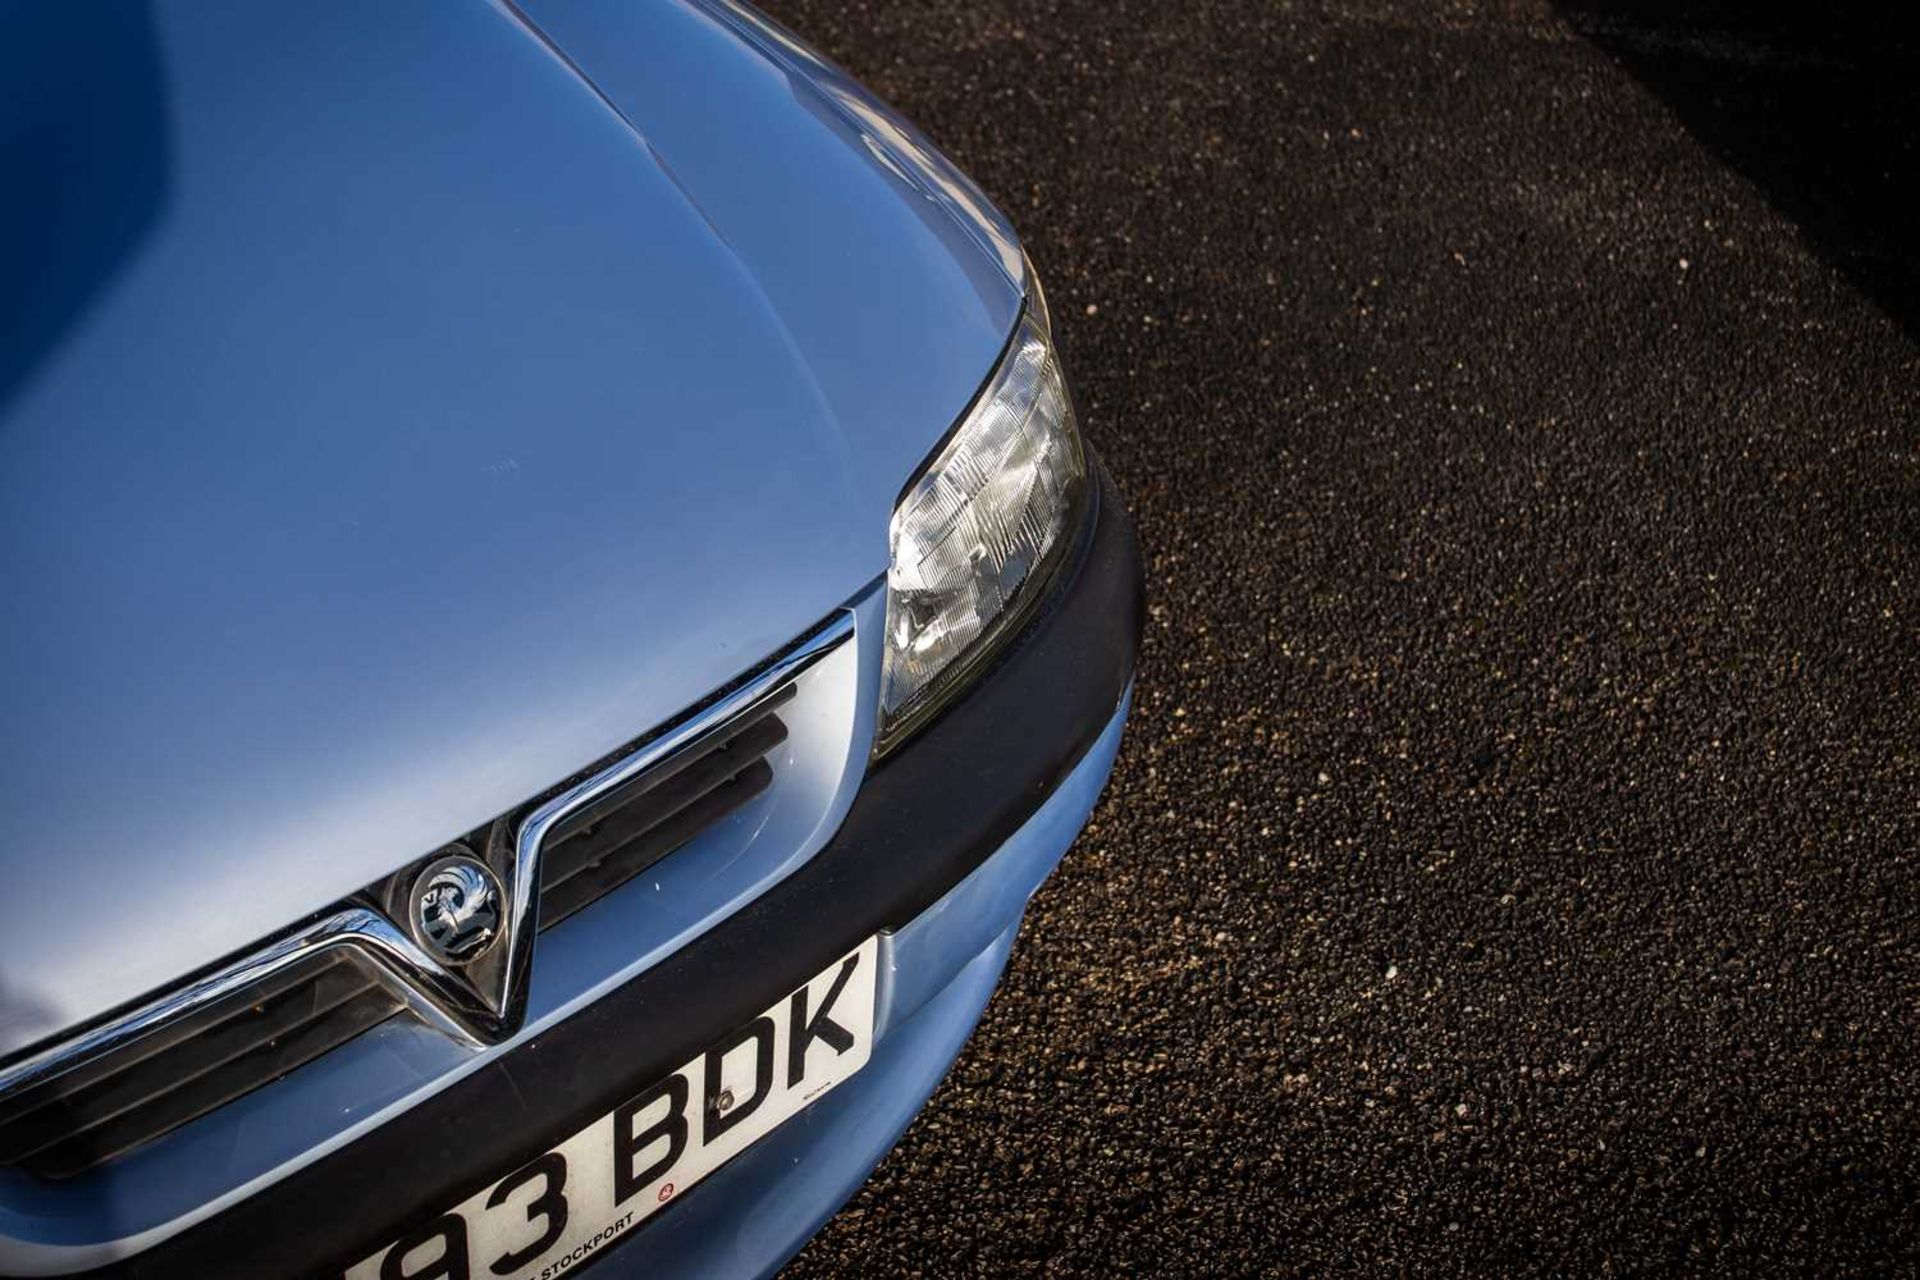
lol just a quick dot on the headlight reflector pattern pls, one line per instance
(976, 536)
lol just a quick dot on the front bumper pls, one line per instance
(940, 849)
(754, 1214)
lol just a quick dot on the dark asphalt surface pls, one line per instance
(1511, 865)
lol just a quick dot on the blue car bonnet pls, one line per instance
(403, 405)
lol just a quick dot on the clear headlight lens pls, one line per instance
(978, 534)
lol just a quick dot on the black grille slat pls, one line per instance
(655, 805)
(83, 1150)
(734, 731)
(597, 879)
(161, 1038)
(72, 1104)
(104, 1108)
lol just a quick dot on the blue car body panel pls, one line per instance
(403, 404)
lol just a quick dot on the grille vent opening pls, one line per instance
(601, 847)
(180, 1072)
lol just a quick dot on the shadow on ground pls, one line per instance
(1819, 107)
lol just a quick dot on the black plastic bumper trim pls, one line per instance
(924, 818)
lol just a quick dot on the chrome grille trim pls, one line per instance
(385, 950)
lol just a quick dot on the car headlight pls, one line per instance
(976, 537)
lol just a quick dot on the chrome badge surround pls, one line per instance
(481, 1001)
(456, 907)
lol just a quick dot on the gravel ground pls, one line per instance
(1511, 864)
